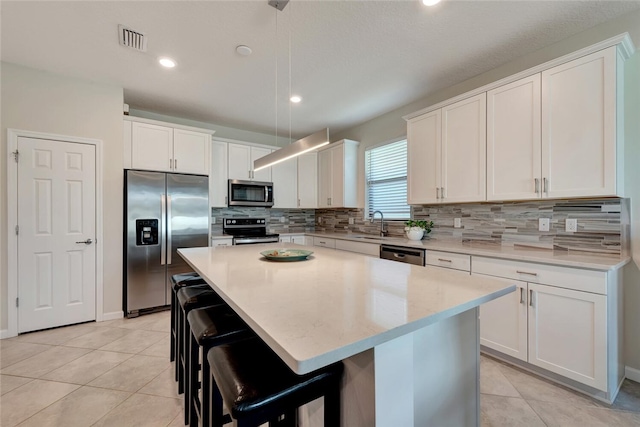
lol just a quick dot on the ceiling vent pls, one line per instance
(133, 39)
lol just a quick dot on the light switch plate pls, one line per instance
(351, 221)
(571, 225)
(457, 222)
(543, 224)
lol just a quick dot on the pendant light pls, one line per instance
(301, 146)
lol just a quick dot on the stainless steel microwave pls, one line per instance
(250, 193)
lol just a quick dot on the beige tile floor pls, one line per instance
(117, 373)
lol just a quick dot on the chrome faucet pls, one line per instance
(383, 232)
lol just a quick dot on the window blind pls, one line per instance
(386, 178)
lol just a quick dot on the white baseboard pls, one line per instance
(632, 373)
(112, 315)
(4, 333)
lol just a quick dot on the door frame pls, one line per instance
(12, 221)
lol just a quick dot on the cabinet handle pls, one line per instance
(329, 201)
(442, 193)
(526, 272)
(444, 260)
(298, 202)
(438, 193)
(170, 163)
(537, 185)
(521, 295)
(226, 198)
(545, 185)
(531, 297)
(175, 164)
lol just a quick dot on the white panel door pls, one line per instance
(56, 216)
(239, 158)
(151, 147)
(503, 323)
(262, 174)
(513, 141)
(464, 147)
(568, 333)
(324, 178)
(191, 152)
(218, 175)
(285, 184)
(423, 158)
(337, 176)
(579, 126)
(308, 181)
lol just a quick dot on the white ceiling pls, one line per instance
(351, 60)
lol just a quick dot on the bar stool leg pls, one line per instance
(205, 411)
(215, 403)
(332, 406)
(172, 351)
(191, 389)
(180, 351)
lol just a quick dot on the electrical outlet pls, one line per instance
(351, 221)
(571, 225)
(283, 219)
(543, 224)
(457, 222)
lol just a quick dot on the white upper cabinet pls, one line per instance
(241, 158)
(163, 148)
(308, 181)
(423, 157)
(218, 175)
(447, 154)
(464, 150)
(285, 184)
(513, 141)
(579, 127)
(337, 175)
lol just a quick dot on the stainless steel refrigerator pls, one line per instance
(163, 212)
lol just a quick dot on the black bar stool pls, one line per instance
(258, 387)
(210, 327)
(179, 281)
(189, 298)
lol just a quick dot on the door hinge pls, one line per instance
(17, 302)
(16, 155)
(17, 229)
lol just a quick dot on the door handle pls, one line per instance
(444, 260)
(526, 272)
(521, 295)
(266, 193)
(168, 230)
(163, 220)
(86, 242)
(537, 185)
(442, 193)
(175, 164)
(398, 255)
(437, 193)
(545, 184)
(531, 297)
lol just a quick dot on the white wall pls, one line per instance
(391, 126)
(44, 102)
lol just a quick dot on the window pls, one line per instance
(386, 180)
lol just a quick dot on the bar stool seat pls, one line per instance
(179, 281)
(258, 387)
(189, 298)
(210, 327)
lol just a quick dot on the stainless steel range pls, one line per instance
(248, 231)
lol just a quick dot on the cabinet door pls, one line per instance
(151, 147)
(308, 181)
(337, 176)
(191, 152)
(126, 142)
(285, 180)
(262, 174)
(423, 158)
(503, 323)
(300, 240)
(579, 126)
(567, 333)
(218, 175)
(513, 141)
(324, 178)
(464, 150)
(221, 242)
(285, 239)
(239, 158)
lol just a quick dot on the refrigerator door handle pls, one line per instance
(163, 216)
(169, 230)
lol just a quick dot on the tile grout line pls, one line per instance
(31, 416)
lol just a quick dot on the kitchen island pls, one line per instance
(408, 335)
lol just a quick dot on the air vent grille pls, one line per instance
(133, 39)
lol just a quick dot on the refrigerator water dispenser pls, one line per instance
(146, 232)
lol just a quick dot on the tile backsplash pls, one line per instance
(603, 224)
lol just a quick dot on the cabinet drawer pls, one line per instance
(564, 277)
(323, 241)
(221, 242)
(449, 260)
(359, 247)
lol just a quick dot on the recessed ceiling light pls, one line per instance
(243, 50)
(295, 99)
(167, 62)
(430, 2)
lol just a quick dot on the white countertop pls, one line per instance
(335, 304)
(601, 262)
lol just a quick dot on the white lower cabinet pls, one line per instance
(302, 240)
(568, 326)
(285, 239)
(324, 242)
(372, 249)
(222, 242)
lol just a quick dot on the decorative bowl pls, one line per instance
(286, 255)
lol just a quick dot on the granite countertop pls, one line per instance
(335, 304)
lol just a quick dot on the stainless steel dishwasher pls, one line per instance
(398, 253)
